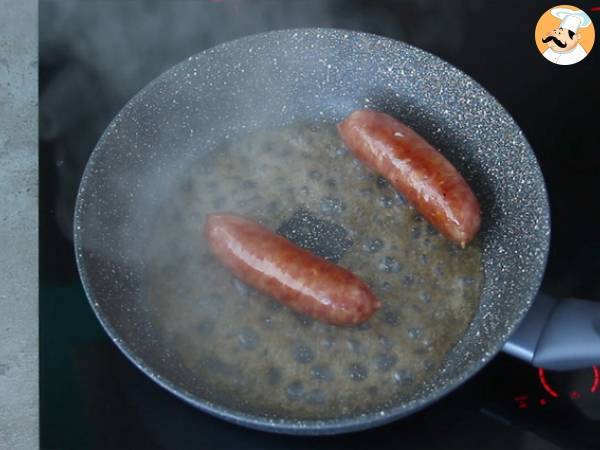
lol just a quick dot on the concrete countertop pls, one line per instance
(19, 225)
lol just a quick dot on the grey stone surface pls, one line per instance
(18, 226)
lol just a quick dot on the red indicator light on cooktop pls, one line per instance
(521, 401)
(594, 387)
(545, 383)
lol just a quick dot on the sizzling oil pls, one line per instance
(247, 347)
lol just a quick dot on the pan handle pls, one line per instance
(558, 335)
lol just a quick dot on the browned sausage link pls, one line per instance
(275, 266)
(417, 170)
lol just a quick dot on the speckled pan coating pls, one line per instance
(276, 79)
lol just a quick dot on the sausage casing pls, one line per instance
(415, 169)
(277, 267)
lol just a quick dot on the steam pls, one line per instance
(109, 50)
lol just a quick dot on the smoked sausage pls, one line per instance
(277, 267)
(415, 169)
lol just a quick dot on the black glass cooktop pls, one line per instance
(95, 55)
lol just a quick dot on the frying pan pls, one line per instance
(315, 76)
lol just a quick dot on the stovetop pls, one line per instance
(95, 55)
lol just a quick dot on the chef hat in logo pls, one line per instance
(570, 19)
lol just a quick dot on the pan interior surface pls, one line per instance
(263, 357)
(199, 110)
